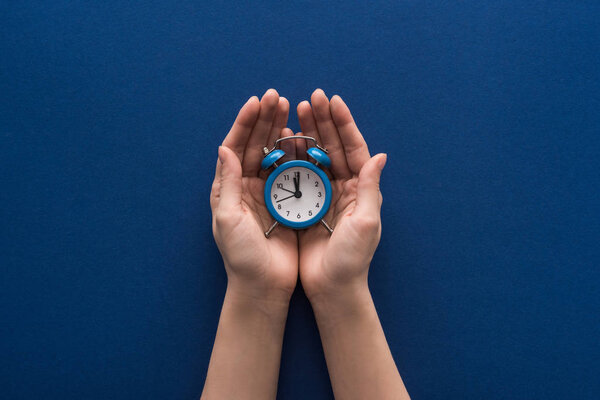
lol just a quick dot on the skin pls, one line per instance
(334, 268)
(262, 273)
(256, 266)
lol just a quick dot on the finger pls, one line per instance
(230, 175)
(308, 125)
(239, 133)
(329, 135)
(279, 122)
(367, 190)
(355, 147)
(260, 133)
(288, 145)
(300, 147)
(215, 189)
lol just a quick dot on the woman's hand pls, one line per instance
(333, 269)
(257, 268)
(261, 272)
(333, 266)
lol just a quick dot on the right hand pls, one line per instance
(257, 268)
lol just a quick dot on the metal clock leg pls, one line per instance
(327, 226)
(268, 232)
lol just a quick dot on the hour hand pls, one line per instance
(297, 181)
(287, 190)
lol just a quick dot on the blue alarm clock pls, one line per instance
(297, 192)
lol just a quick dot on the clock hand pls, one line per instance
(285, 198)
(296, 182)
(286, 190)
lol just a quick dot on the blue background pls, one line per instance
(487, 276)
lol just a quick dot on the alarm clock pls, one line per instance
(297, 192)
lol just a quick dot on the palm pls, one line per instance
(273, 259)
(329, 258)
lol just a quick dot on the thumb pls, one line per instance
(230, 175)
(367, 189)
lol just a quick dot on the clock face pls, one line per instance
(298, 195)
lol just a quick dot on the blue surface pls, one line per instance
(487, 276)
(268, 190)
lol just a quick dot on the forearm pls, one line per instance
(247, 351)
(358, 358)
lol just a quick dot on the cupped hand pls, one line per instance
(257, 267)
(336, 264)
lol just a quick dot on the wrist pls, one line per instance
(342, 302)
(269, 302)
(266, 285)
(345, 285)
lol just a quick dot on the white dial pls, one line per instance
(298, 194)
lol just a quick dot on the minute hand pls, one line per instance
(285, 198)
(297, 181)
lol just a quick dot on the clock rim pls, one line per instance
(269, 183)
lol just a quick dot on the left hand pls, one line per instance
(334, 267)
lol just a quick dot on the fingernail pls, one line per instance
(382, 161)
(319, 90)
(270, 92)
(334, 99)
(337, 98)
